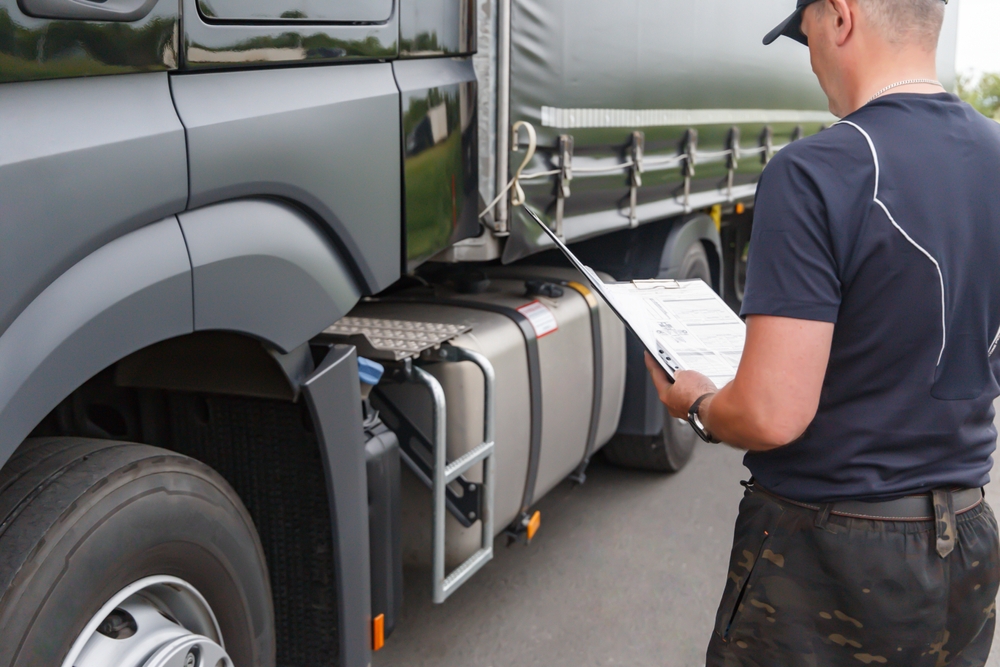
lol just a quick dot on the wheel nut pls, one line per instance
(191, 659)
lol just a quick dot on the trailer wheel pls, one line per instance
(671, 448)
(121, 554)
(667, 451)
(695, 264)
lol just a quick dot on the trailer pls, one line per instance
(273, 324)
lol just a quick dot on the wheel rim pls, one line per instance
(156, 622)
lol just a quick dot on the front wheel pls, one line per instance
(128, 555)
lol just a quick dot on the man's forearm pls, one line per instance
(741, 421)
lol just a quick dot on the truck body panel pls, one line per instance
(131, 293)
(81, 163)
(264, 268)
(285, 133)
(440, 179)
(437, 28)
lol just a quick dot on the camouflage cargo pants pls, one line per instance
(804, 591)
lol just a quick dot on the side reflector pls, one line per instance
(533, 524)
(740, 208)
(378, 632)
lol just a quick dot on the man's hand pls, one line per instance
(680, 395)
(776, 391)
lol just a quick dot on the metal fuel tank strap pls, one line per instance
(579, 475)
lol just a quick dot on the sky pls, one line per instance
(978, 37)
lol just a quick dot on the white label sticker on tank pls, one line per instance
(541, 318)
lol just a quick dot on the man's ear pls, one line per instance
(842, 13)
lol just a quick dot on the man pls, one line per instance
(864, 396)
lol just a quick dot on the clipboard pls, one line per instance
(652, 306)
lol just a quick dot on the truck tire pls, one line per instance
(122, 554)
(667, 451)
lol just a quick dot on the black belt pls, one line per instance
(940, 506)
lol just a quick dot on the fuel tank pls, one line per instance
(548, 420)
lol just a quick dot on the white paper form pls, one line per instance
(686, 323)
(683, 324)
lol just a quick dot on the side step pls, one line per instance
(403, 342)
(446, 473)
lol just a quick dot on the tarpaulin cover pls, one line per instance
(601, 70)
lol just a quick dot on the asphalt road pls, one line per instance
(626, 570)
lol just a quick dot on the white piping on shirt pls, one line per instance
(944, 329)
(993, 345)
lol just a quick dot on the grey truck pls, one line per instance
(273, 322)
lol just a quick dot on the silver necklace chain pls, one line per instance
(903, 83)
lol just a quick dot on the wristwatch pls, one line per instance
(695, 420)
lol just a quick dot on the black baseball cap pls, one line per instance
(792, 26)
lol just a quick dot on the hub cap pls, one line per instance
(155, 622)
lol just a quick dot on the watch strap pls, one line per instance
(695, 420)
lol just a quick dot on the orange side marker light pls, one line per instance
(378, 632)
(740, 208)
(533, 524)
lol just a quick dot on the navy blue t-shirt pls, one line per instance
(887, 225)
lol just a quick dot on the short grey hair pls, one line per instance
(902, 21)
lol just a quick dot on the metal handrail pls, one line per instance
(444, 473)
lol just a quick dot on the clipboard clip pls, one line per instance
(656, 284)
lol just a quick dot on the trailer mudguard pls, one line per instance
(333, 393)
(130, 293)
(263, 268)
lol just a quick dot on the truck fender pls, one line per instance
(695, 229)
(126, 295)
(264, 268)
(332, 393)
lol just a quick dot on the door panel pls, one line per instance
(355, 11)
(298, 37)
(37, 48)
